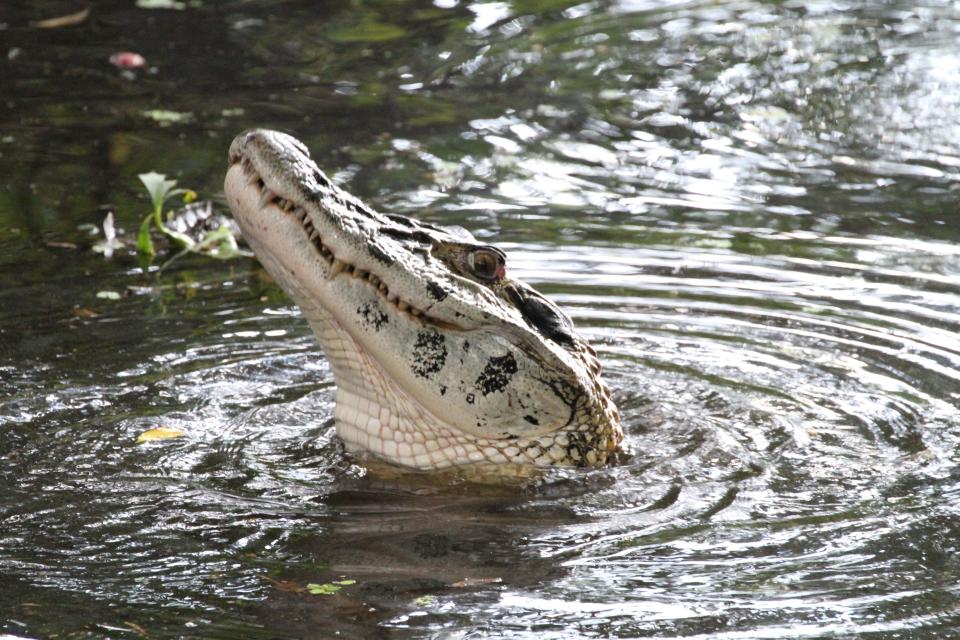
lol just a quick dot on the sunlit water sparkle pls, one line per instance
(748, 208)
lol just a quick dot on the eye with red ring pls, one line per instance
(487, 264)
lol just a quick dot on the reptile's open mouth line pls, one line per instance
(336, 266)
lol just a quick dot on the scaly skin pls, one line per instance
(441, 360)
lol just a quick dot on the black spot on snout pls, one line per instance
(397, 233)
(436, 292)
(541, 314)
(379, 253)
(497, 373)
(316, 195)
(423, 237)
(404, 220)
(359, 209)
(531, 420)
(429, 353)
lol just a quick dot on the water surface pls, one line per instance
(748, 207)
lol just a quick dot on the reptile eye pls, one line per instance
(486, 264)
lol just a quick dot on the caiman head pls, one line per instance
(441, 359)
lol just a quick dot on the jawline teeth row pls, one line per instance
(268, 197)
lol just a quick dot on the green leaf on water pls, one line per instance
(182, 240)
(328, 588)
(144, 241)
(220, 244)
(368, 30)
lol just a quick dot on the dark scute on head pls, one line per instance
(321, 179)
(317, 195)
(404, 220)
(436, 291)
(358, 208)
(397, 233)
(379, 253)
(423, 237)
(542, 315)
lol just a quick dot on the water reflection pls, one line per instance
(745, 206)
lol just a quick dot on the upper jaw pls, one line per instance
(272, 184)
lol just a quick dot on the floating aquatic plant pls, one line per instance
(218, 243)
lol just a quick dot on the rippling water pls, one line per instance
(749, 208)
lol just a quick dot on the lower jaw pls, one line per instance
(408, 440)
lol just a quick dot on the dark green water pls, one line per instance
(749, 207)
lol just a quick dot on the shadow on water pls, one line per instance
(747, 207)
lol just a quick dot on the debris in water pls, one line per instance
(68, 20)
(329, 588)
(159, 433)
(127, 60)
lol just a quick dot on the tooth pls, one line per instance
(393, 299)
(335, 268)
(416, 313)
(314, 234)
(403, 306)
(374, 280)
(383, 287)
(266, 197)
(360, 273)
